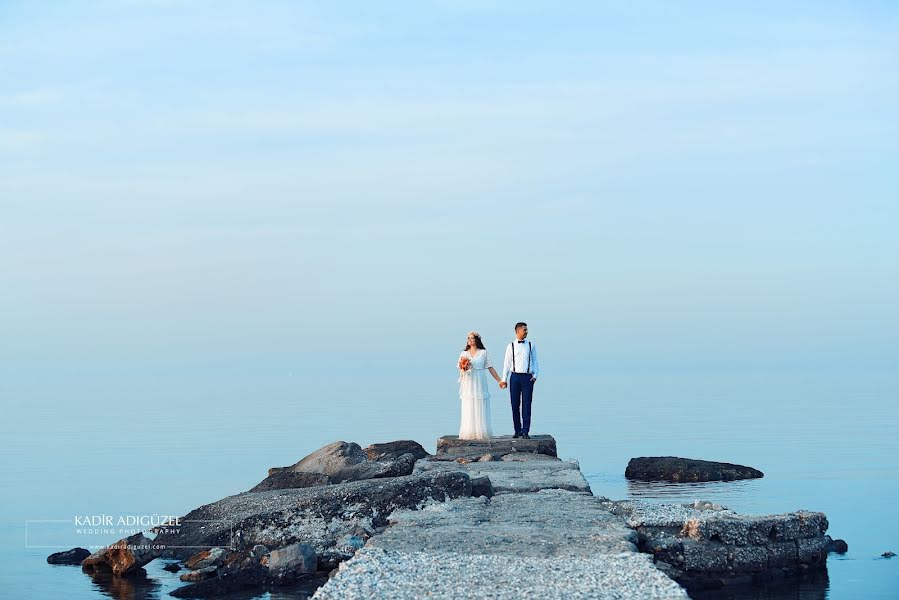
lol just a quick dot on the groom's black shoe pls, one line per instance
(517, 435)
(525, 436)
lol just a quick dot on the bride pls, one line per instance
(473, 362)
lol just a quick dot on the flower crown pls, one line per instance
(475, 333)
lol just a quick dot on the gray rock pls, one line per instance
(349, 544)
(319, 516)
(672, 468)
(199, 574)
(707, 547)
(782, 554)
(285, 479)
(748, 558)
(331, 459)
(69, 557)
(243, 573)
(402, 465)
(398, 467)
(361, 532)
(393, 450)
(296, 558)
(124, 556)
(329, 561)
(253, 568)
(481, 486)
(812, 550)
(214, 557)
(340, 462)
(699, 556)
(837, 546)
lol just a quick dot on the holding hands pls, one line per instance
(502, 385)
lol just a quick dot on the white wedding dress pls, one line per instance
(475, 397)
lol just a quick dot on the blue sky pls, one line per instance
(272, 186)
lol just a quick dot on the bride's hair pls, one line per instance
(477, 341)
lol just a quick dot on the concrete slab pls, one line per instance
(517, 477)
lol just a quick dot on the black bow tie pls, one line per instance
(520, 341)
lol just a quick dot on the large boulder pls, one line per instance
(124, 556)
(394, 450)
(319, 516)
(672, 468)
(292, 559)
(345, 461)
(329, 460)
(283, 480)
(375, 469)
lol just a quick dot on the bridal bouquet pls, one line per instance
(464, 365)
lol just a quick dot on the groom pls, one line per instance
(521, 363)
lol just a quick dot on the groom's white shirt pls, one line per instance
(521, 359)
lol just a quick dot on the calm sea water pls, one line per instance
(144, 444)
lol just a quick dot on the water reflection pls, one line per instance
(141, 585)
(133, 586)
(682, 493)
(814, 586)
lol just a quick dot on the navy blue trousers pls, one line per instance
(521, 389)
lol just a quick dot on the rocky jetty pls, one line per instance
(674, 469)
(393, 520)
(542, 532)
